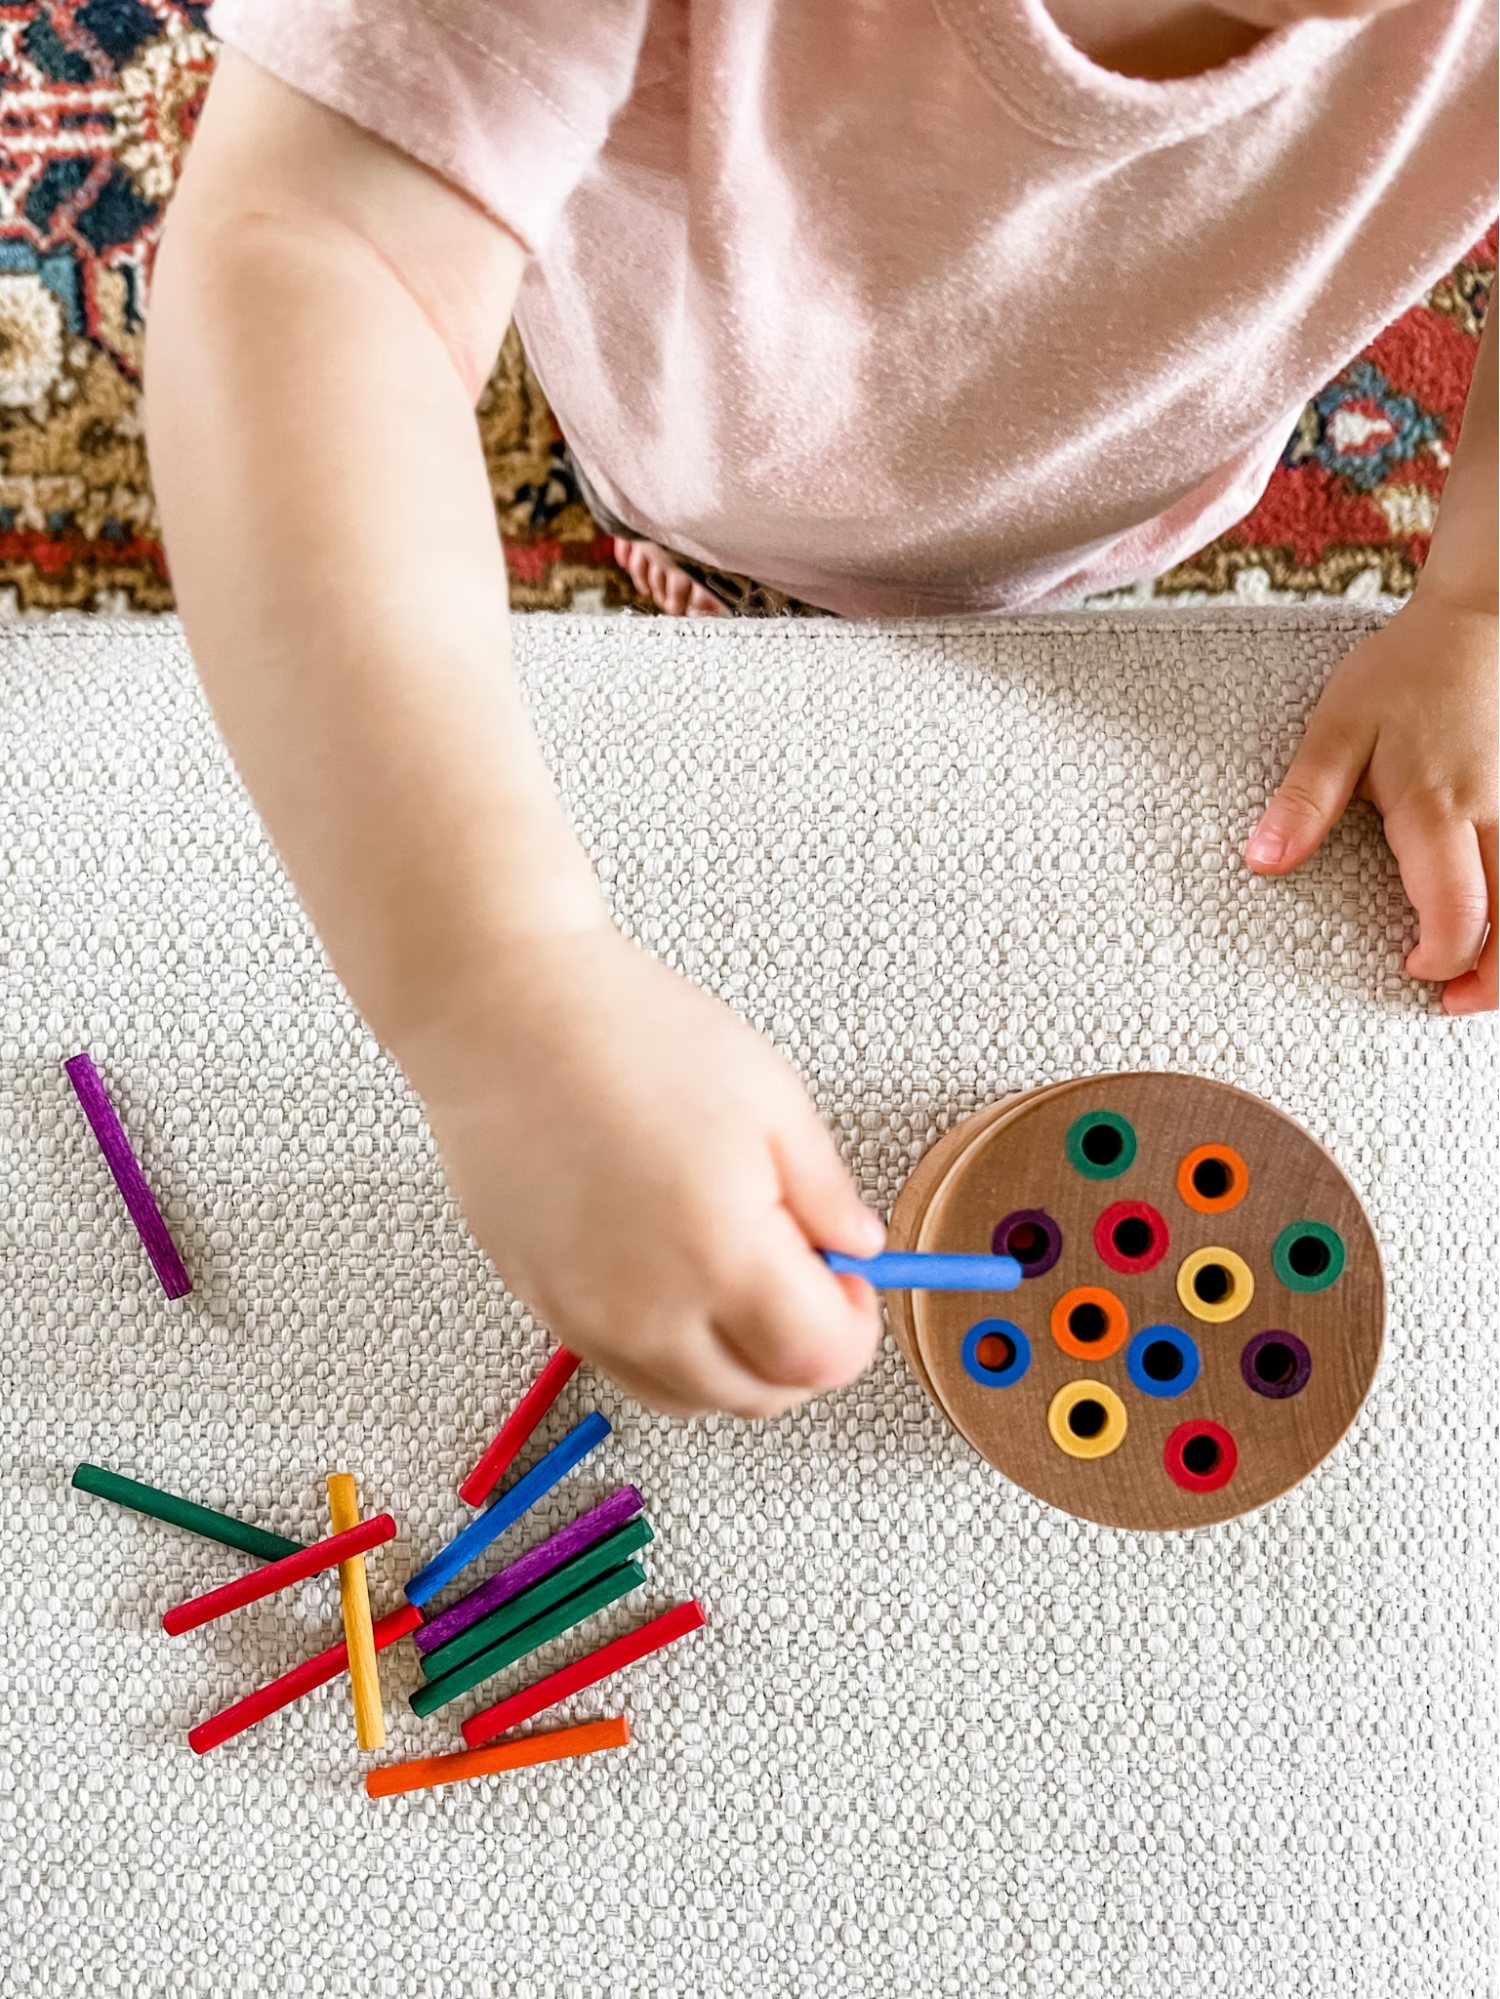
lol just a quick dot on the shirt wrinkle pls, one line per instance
(906, 305)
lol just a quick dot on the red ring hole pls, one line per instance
(1200, 1456)
(1131, 1236)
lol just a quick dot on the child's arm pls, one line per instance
(643, 1168)
(1408, 721)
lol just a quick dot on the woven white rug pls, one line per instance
(937, 1739)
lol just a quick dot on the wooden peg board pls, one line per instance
(1203, 1309)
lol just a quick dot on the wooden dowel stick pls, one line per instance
(565, 1582)
(359, 1636)
(428, 1772)
(621, 1505)
(523, 1495)
(586, 1672)
(279, 1575)
(540, 1631)
(925, 1270)
(119, 1154)
(221, 1527)
(517, 1427)
(280, 1693)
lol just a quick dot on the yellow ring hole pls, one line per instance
(1215, 1284)
(1098, 1438)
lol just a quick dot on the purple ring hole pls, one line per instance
(1276, 1364)
(1038, 1242)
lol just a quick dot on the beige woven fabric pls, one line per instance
(937, 1740)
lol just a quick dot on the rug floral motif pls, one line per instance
(98, 101)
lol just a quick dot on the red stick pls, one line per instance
(280, 1575)
(517, 1427)
(300, 1680)
(585, 1672)
(553, 1747)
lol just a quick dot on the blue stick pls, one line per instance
(918, 1270)
(507, 1509)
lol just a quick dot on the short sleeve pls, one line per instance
(510, 100)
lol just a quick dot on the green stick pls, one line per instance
(566, 1581)
(609, 1589)
(183, 1513)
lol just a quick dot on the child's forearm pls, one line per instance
(336, 561)
(1462, 562)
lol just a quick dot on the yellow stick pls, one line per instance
(359, 1636)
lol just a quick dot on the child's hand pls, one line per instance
(650, 1176)
(1408, 722)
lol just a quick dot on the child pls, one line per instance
(901, 308)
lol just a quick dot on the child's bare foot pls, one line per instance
(653, 572)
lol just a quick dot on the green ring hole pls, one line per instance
(1101, 1145)
(1308, 1256)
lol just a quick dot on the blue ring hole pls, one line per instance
(997, 1330)
(1148, 1361)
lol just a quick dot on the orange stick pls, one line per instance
(554, 1747)
(359, 1633)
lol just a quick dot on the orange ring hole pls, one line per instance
(1213, 1179)
(1090, 1322)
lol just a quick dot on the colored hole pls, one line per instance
(1086, 1419)
(1213, 1179)
(1215, 1284)
(1100, 1145)
(1032, 1237)
(1276, 1364)
(1200, 1457)
(995, 1353)
(1308, 1256)
(1131, 1236)
(1089, 1322)
(1212, 1283)
(1162, 1361)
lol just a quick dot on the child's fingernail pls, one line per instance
(1266, 846)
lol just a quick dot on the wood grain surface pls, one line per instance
(1013, 1155)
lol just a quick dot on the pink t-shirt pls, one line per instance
(905, 306)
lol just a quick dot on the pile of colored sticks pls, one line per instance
(560, 1583)
(567, 1579)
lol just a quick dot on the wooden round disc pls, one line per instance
(1203, 1311)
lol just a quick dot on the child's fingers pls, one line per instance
(1319, 783)
(792, 1323)
(1443, 872)
(693, 1373)
(816, 1187)
(1479, 991)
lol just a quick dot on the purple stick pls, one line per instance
(129, 1178)
(622, 1505)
